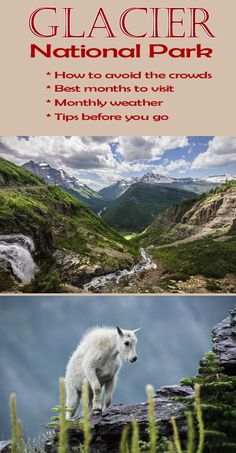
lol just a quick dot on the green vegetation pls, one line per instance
(6, 281)
(17, 443)
(85, 419)
(153, 430)
(12, 175)
(207, 257)
(138, 206)
(13, 422)
(218, 406)
(135, 437)
(46, 280)
(173, 443)
(63, 435)
(74, 226)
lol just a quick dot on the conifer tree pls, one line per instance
(218, 405)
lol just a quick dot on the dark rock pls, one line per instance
(107, 427)
(224, 342)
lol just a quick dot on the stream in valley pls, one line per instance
(97, 283)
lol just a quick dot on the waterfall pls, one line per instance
(16, 250)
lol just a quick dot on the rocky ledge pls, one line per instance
(224, 342)
(106, 429)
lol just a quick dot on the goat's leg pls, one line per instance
(72, 401)
(96, 388)
(90, 402)
(109, 386)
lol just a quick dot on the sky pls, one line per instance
(99, 161)
(39, 333)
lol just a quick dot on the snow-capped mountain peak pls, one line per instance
(219, 179)
(156, 178)
(59, 177)
(43, 164)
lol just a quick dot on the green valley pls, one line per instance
(138, 206)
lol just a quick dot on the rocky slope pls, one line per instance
(214, 213)
(107, 428)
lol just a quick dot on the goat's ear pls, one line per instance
(137, 330)
(119, 331)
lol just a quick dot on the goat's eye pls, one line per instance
(127, 343)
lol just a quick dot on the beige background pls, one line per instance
(200, 107)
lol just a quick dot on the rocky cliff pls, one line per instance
(107, 428)
(215, 212)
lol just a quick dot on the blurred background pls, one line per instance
(39, 333)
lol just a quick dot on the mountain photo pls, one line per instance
(117, 214)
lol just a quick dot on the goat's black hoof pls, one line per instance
(97, 411)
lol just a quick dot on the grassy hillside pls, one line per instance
(206, 257)
(139, 205)
(88, 196)
(12, 175)
(74, 226)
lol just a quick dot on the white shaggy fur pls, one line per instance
(97, 360)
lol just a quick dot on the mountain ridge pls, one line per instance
(69, 183)
(197, 185)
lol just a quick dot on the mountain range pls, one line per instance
(82, 191)
(197, 185)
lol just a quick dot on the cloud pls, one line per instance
(221, 151)
(135, 154)
(69, 152)
(148, 147)
(180, 164)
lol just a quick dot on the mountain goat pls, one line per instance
(97, 360)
